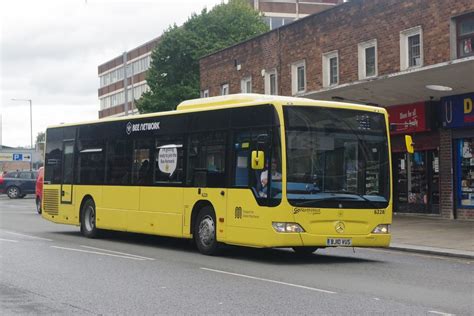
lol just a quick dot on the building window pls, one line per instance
(205, 93)
(246, 85)
(367, 52)
(271, 82)
(465, 36)
(225, 89)
(276, 22)
(331, 69)
(298, 77)
(411, 48)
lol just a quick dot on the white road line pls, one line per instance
(440, 313)
(29, 236)
(98, 253)
(268, 280)
(10, 240)
(117, 252)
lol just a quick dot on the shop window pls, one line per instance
(465, 150)
(465, 36)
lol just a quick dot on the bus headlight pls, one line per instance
(381, 229)
(287, 227)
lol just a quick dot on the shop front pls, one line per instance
(458, 116)
(415, 176)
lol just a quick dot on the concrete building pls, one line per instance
(111, 92)
(414, 57)
(282, 12)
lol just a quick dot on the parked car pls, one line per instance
(18, 184)
(39, 189)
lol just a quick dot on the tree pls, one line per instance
(40, 138)
(174, 72)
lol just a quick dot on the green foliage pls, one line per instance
(174, 73)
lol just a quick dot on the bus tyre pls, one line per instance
(205, 231)
(304, 251)
(38, 205)
(88, 219)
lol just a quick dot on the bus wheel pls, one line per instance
(205, 231)
(88, 228)
(304, 251)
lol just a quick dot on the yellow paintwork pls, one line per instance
(168, 211)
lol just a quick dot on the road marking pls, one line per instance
(268, 280)
(441, 313)
(117, 252)
(10, 240)
(98, 253)
(29, 236)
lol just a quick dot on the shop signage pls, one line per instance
(407, 118)
(458, 110)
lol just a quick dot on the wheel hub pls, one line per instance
(206, 231)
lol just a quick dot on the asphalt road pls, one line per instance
(47, 268)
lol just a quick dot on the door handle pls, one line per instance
(62, 193)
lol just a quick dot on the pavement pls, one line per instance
(433, 235)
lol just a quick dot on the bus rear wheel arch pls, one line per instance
(88, 219)
(204, 231)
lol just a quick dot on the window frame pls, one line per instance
(205, 93)
(244, 84)
(405, 47)
(268, 81)
(223, 87)
(459, 37)
(327, 68)
(295, 78)
(362, 54)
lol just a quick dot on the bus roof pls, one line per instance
(237, 99)
(231, 100)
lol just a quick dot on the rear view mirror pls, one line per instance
(258, 159)
(409, 144)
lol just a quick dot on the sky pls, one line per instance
(50, 51)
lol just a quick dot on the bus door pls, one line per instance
(247, 195)
(67, 172)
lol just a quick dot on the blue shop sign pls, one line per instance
(458, 110)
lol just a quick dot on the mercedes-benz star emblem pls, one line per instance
(340, 227)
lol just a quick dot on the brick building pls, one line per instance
(414, 57)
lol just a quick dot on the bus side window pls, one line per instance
(206, 160)
(142, 170)
(169, 160)
(119, 162)
(242, 153)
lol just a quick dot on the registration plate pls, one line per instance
(339, 242)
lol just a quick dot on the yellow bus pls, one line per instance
(245, 169)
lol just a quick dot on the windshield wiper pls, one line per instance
(341, 198)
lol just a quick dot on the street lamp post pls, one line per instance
(31, 127)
